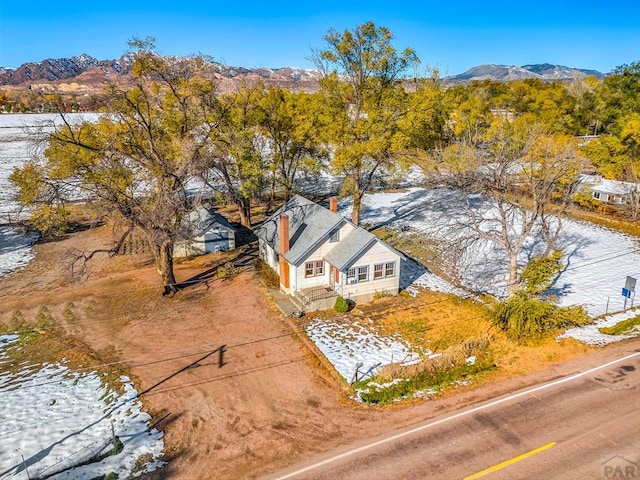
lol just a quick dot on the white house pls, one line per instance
(608, 191)
(319, 255)
(205, 232)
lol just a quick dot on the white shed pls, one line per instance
(205, 232)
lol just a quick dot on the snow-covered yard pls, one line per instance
(348, 345)
(597, 260)
(52, 418)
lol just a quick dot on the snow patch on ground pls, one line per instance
(348, 344)
(15, 249)
(53, 418)
(591, 335)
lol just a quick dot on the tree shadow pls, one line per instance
(410, 271)
(244, 258)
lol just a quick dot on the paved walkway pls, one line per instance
(283, 303)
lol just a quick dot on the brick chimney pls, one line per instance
(284, 248)
(333, 204)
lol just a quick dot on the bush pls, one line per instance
(341, 305)
(622, 328)
(381, 294)
(226, 272)
(523, 317)
(584, 198)
(268, 275)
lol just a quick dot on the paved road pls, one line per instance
(585, 426)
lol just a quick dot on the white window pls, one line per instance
(351, 276)
(596, 195)
(389, 269)
(314, 269)
(378, 271)
(363, 274)
(383, 270)
(358, 274)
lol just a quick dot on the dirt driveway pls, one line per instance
(272, 403)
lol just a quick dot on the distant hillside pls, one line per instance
(504, 73)
(87, 75)
(65, 69)
(77, 73)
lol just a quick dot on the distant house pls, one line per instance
(319, 255)
(205, 232)
(585, 139)
(608, 191)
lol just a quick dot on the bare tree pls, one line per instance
(515, 186)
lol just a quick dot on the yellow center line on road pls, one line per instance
(511, 461)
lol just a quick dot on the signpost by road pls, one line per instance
(629, 291)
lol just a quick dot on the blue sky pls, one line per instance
(451, 35)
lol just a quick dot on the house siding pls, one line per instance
(327, 246)
(352, 241)
(214, 241)
(268, 255)
(376, 254)
(301, 280)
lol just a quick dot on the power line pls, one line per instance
(186, 355)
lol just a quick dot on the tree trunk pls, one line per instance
(357, 200)
(272, 191)
(163, 254)
(244, 208)
(514, 283)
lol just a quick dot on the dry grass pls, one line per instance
(606, 220)
(455, 355)
(445, 324)
(431, 320)
(43, 340)
(417, 246)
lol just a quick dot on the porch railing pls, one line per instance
(317, 294)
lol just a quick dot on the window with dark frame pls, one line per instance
(335, 236)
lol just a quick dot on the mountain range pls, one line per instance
(81, 72)
(543, 71)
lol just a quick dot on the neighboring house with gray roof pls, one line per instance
(319, 255)
(609, 191)
(205, 232)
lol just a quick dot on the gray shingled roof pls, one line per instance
(350, 248)
(203, 219)
(309, 225)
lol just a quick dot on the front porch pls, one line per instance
(315, 298)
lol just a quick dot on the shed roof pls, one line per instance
(202, 220)
(614, 187)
